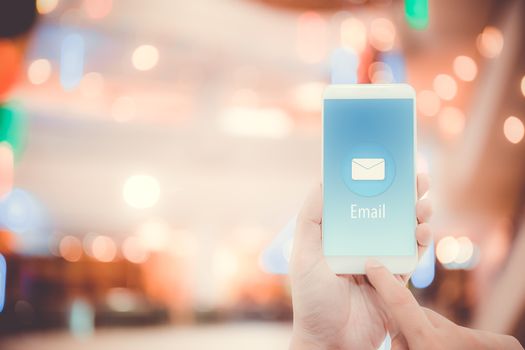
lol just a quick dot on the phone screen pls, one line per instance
(368, 177)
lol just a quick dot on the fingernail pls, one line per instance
(373, 263)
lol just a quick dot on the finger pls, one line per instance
(423, 210)
(307, 246)
(424, 238)
(423, 184)
(436, 319)
(401, 304)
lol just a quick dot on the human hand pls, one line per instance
(416, 327)
(331, 311)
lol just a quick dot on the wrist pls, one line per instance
(303, 341)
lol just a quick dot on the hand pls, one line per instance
(416, 327)
(331, 311)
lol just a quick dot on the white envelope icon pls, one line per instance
(368, 169)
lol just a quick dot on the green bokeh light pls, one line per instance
(416, 12)
(13, 127)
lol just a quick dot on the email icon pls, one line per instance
(368, 169)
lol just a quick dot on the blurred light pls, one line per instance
(275, 257)
(490, 42)
(123, 109)
(353, 35)
(13, 126)
(92, 85)
(46, 6)
(71, 61)
(396, 62)
(451, 121)
(10, 57)
(104, 249)
(245, 97)
(426, 269)
(121, 300)
(225, 265)
(39, 71)
(465, 68)
(25, 313)
(81, 319)
(344, 64)
(145, 57)
(466, 249)
(311, 37)
(256, 122)
(19, 211)
(7, 166)
(70, 248)
(445, 86)
(523, 86)
(133, 251)
(154, 235)
(428, 103)
(382, 34)
(97, 8)
(309, 96)
(447, 250)
(87, 243)
(3, 278)
(416, 13)
(141, 191)
(513, 129)
(380, 73)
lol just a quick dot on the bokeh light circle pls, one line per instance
(513, 129)
(141, 191)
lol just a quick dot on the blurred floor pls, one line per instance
(252, 336)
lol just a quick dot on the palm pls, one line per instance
(344, 311)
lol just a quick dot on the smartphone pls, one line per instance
(369, 177)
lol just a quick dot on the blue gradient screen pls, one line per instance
(368, 177)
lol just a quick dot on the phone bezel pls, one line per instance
(346, 265)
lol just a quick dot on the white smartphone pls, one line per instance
(369, 177)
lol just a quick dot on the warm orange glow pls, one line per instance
(513, 129)
(445, 86)
(380, 73)
(92, 85)
(447, 250)
(465, 68)
(451, 121)
(428, 103)
(523, 86)
(382, 34)
(39, 71)
(70, 248)
(133, 250)
(490, 42)
(104, 249)
(97, 8)
(46, 6)
(311, 37)
(123, 109)
(6, 168)
(309, 96)
(465, 251)
(353, 35)
(145, 57)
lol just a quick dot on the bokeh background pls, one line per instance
(154, 154)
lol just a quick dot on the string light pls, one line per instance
(145, 57)
(445, 86)
(428, 103)
(70, 248)
(490, 42)
(382, 34)
(447, 250)
(353, 35)
(39, 71)
(451, 121)
(465, 68)
(46, 6)
(513, 129)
